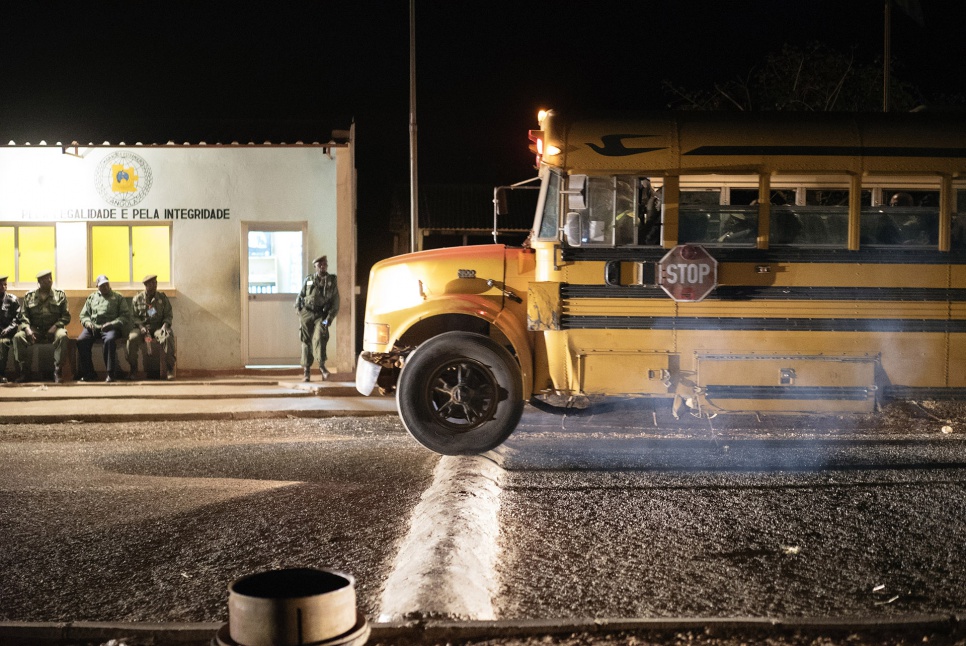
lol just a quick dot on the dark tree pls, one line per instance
(814, 78)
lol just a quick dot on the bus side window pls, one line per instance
(593, 225)
(620, 210)
(625, 206)
(699, 216)
(823, 221)
(787, 227)
(959, 222)
(908, 217)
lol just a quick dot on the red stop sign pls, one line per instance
(687, 273)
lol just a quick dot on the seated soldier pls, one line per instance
(151, 315)
(104, 315)
(9, 320)
(44, 319)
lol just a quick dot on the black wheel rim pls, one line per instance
(462, 395)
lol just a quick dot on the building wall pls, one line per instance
(237, 185)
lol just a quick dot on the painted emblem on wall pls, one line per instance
(123, 178)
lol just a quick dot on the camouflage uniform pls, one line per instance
(9, 320)
(151, 315)
(41, 312)
(99, 310)
(318, 303)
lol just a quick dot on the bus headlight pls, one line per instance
(376, 333)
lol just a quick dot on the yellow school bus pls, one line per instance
(724, 262)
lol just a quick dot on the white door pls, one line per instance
(273, 268)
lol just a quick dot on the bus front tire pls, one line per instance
(460, 394)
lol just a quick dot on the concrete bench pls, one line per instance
(39, 362)
(150, 359)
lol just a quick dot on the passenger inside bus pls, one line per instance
(650, 227)
(737, 227)
(879, 227)
(901, 199)
(786, 224)
(786, 227)
(958, 237)
(919, 225)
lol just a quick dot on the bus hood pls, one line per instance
(407, 281)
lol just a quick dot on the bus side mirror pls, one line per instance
(576, 192)
(500, 200)
(572, 229)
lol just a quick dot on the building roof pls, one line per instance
(198, 133)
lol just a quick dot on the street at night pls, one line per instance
(569, 323)
(620, 513)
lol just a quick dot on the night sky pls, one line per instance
(286, 71)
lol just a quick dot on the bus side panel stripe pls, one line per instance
(570, 322)
(747, 293)
(896, 255)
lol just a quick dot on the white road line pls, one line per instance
(446, 564)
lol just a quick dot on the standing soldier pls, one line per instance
(9, 320)
(45, 317)
(103, 316)
(318, 303)
(151, 315)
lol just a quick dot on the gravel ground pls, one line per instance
(715, 637)
(242, 501)
(151, 522)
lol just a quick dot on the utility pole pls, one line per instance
(886, 55)
(413, 182)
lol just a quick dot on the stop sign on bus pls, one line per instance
(687, 273)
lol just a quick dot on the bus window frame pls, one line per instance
(865, 193)
(881, 188)
(576, 221)
(810, 226)
(547, 175)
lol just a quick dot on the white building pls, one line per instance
(230, 230)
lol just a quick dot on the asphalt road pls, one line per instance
(621, 513)
(613, 512)
(151, 522)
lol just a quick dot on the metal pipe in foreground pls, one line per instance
(293, 607)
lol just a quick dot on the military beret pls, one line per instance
(150, 277)
(45, 272)
(320, 259)
(102, 279)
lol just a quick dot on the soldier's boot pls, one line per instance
(325, 373)
(307, 376)
(163, 369)
(133, 374)
(58, 378)
(22, 377)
